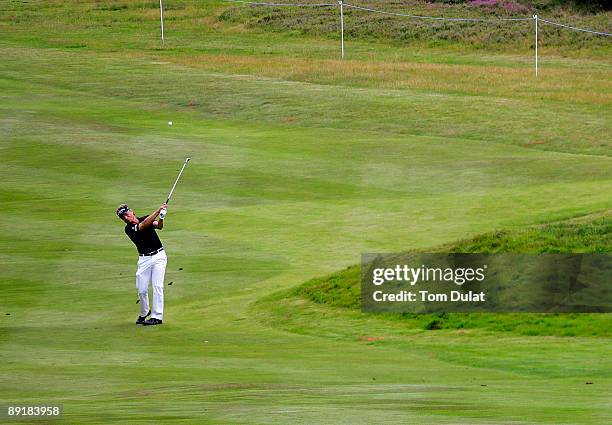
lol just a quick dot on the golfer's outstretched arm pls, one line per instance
(151, 218)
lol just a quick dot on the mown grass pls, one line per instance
(342, 289)
(295, 171)
(404, 89)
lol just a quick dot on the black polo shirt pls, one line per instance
(146, 240)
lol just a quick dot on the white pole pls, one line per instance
(535, 17)
(161, 17)
(342, 25)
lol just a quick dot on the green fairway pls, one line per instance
(300, 162)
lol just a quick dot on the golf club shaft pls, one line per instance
(177, 179)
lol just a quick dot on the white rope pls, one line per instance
(405, 15)
(575, 28)
(437, 18)
(283, 4)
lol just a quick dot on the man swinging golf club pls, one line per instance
(152, 258)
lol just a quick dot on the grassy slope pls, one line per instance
(342, 289)
(504, 36)
(287, 183)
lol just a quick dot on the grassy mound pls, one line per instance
(342, 289)
(360, 24)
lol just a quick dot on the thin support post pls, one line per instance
(342, 25)
(535, 18)
(161, 18)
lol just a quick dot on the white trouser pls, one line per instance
(151, 269)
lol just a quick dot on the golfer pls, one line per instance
(151, 260)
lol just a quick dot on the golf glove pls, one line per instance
(162, 214)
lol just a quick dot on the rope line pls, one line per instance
(405, 15)
(575, 28)
(283, 4)
(436, 18)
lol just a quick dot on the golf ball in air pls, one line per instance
(170, 123)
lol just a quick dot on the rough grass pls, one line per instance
(588, 235)
(362, 25)
(582, 85)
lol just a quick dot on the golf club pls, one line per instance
(177, 179)
(170, 194)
